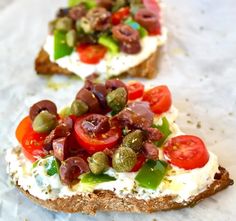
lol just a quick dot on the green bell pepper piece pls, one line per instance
(61, 49)
(165, 129)
(110, 43)
(92, 179)
(88, 3)
(51, 166)
(151, 174)
(65, 112)
(133, 24)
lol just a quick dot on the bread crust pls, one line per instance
(146, 69)
(103, 200)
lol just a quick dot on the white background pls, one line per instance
(199, 66)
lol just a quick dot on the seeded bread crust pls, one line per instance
(102, 200)
(146, 69)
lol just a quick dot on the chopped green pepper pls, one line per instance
(165, 129)
(110, 43)
(61, 49)
(92, 179)
(51, 166)
(88, 3)
(65, 112)
(151, 174)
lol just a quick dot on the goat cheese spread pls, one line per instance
(180, 183)
(110, 65)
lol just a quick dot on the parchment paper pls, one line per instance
(199, 65)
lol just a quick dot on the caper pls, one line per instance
(124, 159)
(84, 24)
(134, 140)
(63, 24)
(44, 122)
(71, 38)
(79, 108)
(98, 163)
(117, 99)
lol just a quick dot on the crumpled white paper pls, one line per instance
(199, 65)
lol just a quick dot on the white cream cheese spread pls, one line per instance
(180, 183)
(110, 65)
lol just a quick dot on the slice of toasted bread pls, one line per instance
(102, 200)
(146, 69)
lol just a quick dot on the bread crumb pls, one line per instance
(154, 219)
(189, 122)
(199, 125)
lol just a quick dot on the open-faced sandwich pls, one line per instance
(109, 37)
(116, 148)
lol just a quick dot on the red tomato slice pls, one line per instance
(187, 152)
(96, 143)
(91, 54)
(152, 5)
(140, 161)
(32, 145)
(135, 90)
(159, 98)
(121, 14)
(24, 126)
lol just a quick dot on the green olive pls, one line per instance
(124, 159)
(98, 162)
(78, 108)
(134, 140)
(63, 24)
(44, 122)
(71, 38)
(117, 99)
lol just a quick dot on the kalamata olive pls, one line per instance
(105, 4)
(41, 106)
(64, 24)
(60, 150)
(130, 48)
(153, 134)
(125, 33)
(78, 108)
(98, 163)
(100, 91)
(44, 122)
(77, 12)
(114, 84)
(134, 140)
(71, 169)
(151, 151)
(67, 121)
(71, 38)
(117, 99)
(61, 130)
(147, 19)
(89, 98)
(124, 159)
(99, 18)
(62, 12)
(96, 123)
(91, 77)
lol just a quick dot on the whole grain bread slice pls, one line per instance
(102, 200)
(146, 69)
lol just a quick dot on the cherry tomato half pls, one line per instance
(119, 15)
(187, 152)
(159, 98)
(24, 126)
(135, 90)
(140, 161)
(32, 145)
(91, 53)
(94, 143)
